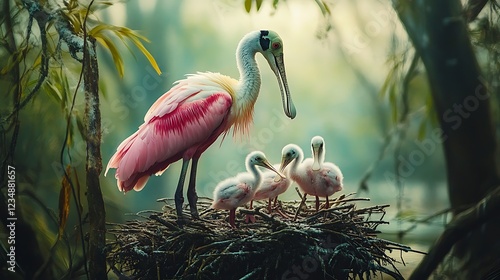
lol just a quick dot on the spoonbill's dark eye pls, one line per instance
(276, 45)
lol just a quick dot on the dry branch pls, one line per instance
(462, 224)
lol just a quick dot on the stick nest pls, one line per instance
(336, 243)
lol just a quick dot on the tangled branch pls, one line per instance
(74, 42)
(335, 243)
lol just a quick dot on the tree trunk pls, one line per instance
(440, 36)
(97, 213)
(27, 253)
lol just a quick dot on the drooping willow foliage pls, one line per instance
(50, 55)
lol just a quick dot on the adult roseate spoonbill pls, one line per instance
(272, 186)
(187, 119)
(239, 190)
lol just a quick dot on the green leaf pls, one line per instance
(408, 215)
(122, 33)
(422, 130)
(327, 8)
(146, 53)
(393, 103)
(13, 60)
(388, 80)
(53, 92)
(71, 131)
(323, 7)
(117, 59)
(259, 4)
(248, 5)
(275, 4)
(431, 112)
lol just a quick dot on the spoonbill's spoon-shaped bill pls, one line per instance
(237, 191)
(272, 186)
(313, 175)
(187, 119)
(327, 177)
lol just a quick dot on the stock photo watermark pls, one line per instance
(362, 39)
(454, 117)
(424, 149)
(120, 107)
(256, 141)
(310, 264)
(11, 218)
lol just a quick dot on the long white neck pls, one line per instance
(296, 162)
(257, 175)
(249, 83)
(318, 150)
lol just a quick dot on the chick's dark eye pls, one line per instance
(276, 45)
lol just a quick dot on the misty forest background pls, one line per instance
(371, 77)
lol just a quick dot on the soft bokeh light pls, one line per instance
(323, 73)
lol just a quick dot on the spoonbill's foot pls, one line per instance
(193, 199)
(249, 219)
(194, 212)
(182, 220)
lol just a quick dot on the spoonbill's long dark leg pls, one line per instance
(179, 197)
(317, 203)
(191, 192)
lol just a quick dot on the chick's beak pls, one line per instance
(316, 151)
(267, 165)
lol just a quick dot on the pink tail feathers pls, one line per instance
(116, 160)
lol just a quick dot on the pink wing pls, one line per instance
(269, 188)
(176, 126)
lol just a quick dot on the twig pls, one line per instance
(425, 220)
(302, 203)
(169, 225)
(457, 229)
(256, 211)
(204, 245)
(334, 210)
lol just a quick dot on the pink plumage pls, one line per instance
(179, 124)
(237, 191)
(322, 182)
(272, 186)
(313, 175)
(187, 119)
